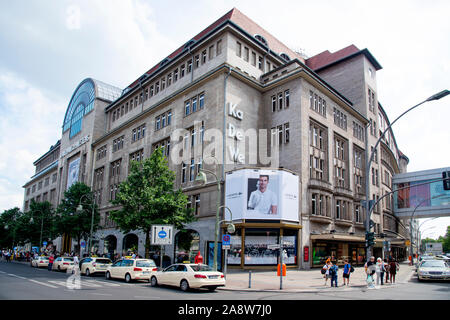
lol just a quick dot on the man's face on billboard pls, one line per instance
(263, 182)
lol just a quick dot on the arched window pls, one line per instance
(261, 39)
(82, 102)
(285, 56)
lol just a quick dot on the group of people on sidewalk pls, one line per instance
(380, 268)
(330, 271)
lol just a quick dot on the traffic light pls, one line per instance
(370, 239)
(446, 181)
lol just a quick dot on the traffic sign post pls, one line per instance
(226, 244)
(161, 235)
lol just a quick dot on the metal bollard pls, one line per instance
(250, 278)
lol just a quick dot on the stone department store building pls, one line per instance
(234, 75)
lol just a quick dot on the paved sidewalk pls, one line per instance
(306, 280)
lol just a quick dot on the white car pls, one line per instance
(433, 270)
(188, 276)
(89, 266)
(39, 262)
(62, 263)
(131, 269)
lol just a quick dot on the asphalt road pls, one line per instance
(21, 282)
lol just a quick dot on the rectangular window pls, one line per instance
(286, 99)
(158, 123)
(182, 70)
(194, 104)
(169, 79)
(274, 103)
(218, 47)
(197, 61)
(175, 75)
(280, 101)
(253, 58)
(197, 204)
(246, 54)
(211, 52)
(203, 56)
(286, 133)
(189, 66)
(238, 49)
(260, 62)
(187, 108)
(201, 101)
(169, 118)
(183, 172)
(192, 170)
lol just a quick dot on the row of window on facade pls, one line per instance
(252, 57)
(43, 183)
(343, 209)
(38, 198)
(168, 79)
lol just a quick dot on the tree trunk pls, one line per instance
(147, 244)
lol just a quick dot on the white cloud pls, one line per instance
(27, 130)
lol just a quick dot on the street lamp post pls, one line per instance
(369, 160)
(42, 227)
(419, 233)
(79, 209)
(201, 177)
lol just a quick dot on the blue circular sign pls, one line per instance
(44, 243)
(162, 234)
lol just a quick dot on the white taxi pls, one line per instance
(39, 262)
(89, 266)
(63, 263)
(131, 269)
(188, 276)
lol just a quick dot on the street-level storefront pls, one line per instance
(259, 242)
(338, 248)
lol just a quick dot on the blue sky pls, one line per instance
(49, 47)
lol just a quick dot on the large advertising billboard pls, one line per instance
(262, 194)
(74, 169)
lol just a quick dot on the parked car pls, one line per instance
(92, 265)
(433, 270)
(443, 257)
(63, 263)
(424, 258)
(39, 262)
(188, 276)
(131, 269)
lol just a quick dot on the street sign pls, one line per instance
(273, 246)
(226, 239)
(83, 244)
(44, 243)
(162, 234)
(407, 243)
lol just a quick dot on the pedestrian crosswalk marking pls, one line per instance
(43, 283)
(102, 283)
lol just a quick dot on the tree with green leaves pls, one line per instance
(39, 223)
(148, 197)
(77, 224)
(8, 227)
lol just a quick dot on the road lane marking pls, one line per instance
(13, 275)
(101, 294)
(61, 283)
(103, 283)
(43, 283)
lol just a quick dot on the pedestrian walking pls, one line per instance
(379, 271)
(334, 274)
(50, 262)
(327, 267)
(347, 270)
(386, 268)
(393, 268)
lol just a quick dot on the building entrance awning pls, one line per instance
(337, 237)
